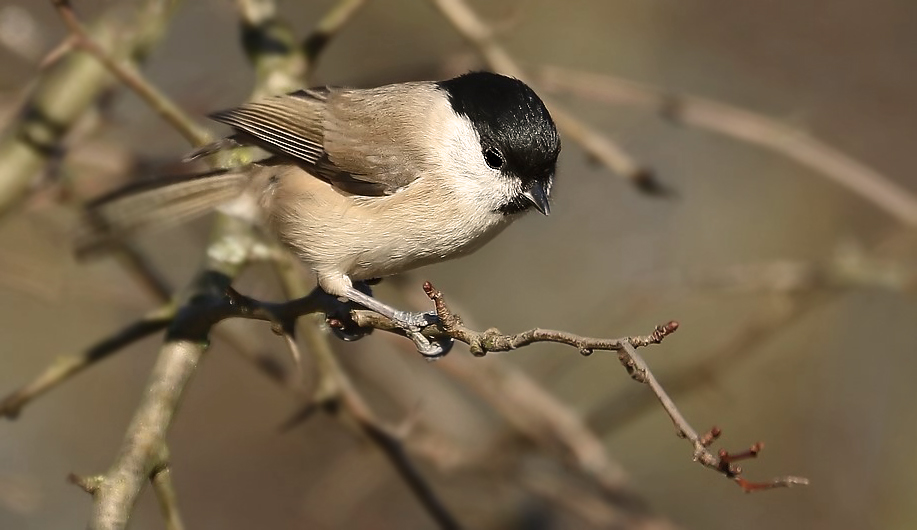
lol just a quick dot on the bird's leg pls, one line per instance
(410, 322)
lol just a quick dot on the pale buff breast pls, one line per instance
(370, 237)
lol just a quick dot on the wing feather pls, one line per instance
(362, 141)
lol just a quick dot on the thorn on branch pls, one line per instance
(90, 484)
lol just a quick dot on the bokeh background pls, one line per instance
(745, 255)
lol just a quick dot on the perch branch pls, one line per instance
(198, 319)
(537, 415)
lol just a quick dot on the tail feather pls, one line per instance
(157, 204)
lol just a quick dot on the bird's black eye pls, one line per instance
(493, 158)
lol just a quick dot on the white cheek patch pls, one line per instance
(462, 158)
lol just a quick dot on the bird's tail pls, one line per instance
(161, 203)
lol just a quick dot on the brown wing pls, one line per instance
(290, 125)
(361, 141)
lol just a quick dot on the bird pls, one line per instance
(363, 183)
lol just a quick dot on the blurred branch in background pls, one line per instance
(66, 91)
(800, 293)
(330, 25)
(597, 145)
(128, 75)
(743, 125)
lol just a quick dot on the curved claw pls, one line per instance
(349, 331)
(431, 350)
(416, 320)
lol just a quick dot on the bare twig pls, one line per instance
(630, 403)
(739, 123)
(89, 484)
(723, 462)
(161, 479)
(327, 27)
(130, 77)
(356, 408)
(66, 367)
(481, 36)
(491, 340)
(65, 92)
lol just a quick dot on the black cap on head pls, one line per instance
(517, 133)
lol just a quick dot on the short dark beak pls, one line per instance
(537, 194)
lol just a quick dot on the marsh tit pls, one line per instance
(366, 183)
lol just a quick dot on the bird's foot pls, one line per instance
(430, 349)
(410, 319)
(412, 323)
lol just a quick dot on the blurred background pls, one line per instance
(794, 294)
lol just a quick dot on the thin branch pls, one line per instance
(66, 367)
(161, 479)
(64, 93)
(744, 125)
(392, 446)
(537, 416)
(723, 462)
(481, 36)
(327, 28)
(630, 403)
(130, 77)
(491, 340)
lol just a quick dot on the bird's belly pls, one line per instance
(391, 252)
(336, 235)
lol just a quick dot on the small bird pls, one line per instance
(366, 183)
